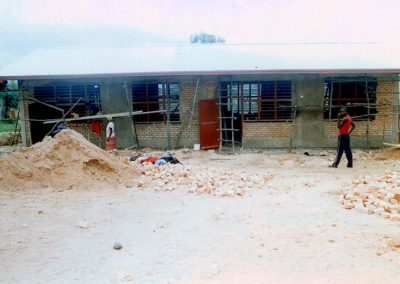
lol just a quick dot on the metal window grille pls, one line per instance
(258, 100)
(66, 95)
(356, 94)
(151, 96)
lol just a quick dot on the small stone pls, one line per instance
(394, 243)
(40, 212)
(83, 224)
(117, 246)
(348, 205)
(379, 211)
(127, 277)
(24, 225)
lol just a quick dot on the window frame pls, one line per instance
(63, 95)
(164, 90)
(250, 95)
(356, 103)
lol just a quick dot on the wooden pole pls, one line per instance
(368, 110)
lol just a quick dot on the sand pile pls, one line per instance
(378, 195)
(67, 161)
(388, 154)
(214, 181)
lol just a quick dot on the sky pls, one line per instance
(27, 25)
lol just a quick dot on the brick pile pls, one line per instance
(379, 195)
(206, 180)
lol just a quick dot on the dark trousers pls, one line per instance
(344, 146)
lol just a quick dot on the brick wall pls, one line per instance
(85, 129)
(384, 101)
(266, 129)
(178, 131)
(211, 89)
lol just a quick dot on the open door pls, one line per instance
(209, 124)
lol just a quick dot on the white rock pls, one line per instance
(349, 205)
(83, 224)
(379, 211)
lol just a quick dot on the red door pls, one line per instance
(209, 124)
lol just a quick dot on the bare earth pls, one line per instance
(291, 230)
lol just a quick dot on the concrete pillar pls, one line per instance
(114, 100)
(309, 130)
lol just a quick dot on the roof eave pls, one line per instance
(204, 73)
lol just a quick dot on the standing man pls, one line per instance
(110, 135)
(346, 126)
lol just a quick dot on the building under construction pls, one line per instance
(215, 95)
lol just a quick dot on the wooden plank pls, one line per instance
(392, 145)
(101, 116)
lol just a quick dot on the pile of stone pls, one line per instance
(378, 195)
(214, 181)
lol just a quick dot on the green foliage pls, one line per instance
(205, 38)
(7, 125)
(9, 97)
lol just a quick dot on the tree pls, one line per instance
(8, 98)
(203, 37)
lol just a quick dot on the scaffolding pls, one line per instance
(366, 111)
(376, 113)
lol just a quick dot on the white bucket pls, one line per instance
(196, 147)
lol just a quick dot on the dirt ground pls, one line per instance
(289, 230)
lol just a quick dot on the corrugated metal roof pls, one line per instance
(205, 59)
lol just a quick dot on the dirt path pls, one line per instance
(291, 231)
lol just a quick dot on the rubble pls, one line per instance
(379, 195)
(203, 180)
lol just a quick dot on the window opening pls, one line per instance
(154, 97)
(258, 100)
(65, 96)
(355, 94)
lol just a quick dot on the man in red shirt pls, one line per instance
(346, 126)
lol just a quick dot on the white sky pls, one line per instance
(235, 20)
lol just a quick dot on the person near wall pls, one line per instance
(110, 135)
(345, 126)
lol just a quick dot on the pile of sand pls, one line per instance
(388, 154)
(67, 161)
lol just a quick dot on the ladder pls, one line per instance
(227, 118)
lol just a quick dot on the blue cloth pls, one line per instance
(160, 162)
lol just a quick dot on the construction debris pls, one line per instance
(67, 161)
(214, 181)
(378, 195)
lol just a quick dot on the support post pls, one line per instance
(133, 130)
(368, 111)
(167, 92)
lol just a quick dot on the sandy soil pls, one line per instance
(292, 230)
